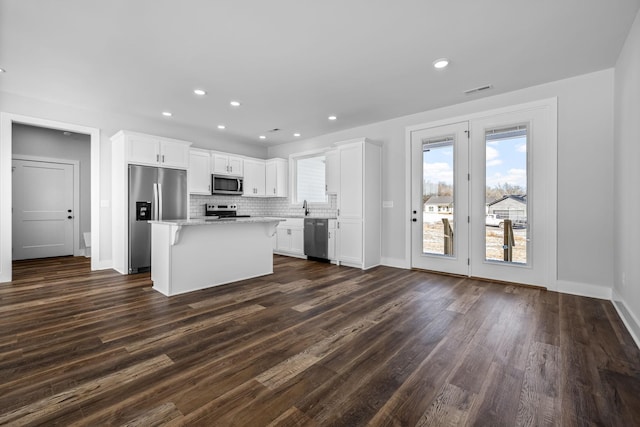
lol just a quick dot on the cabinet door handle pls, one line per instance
(163, 158)
(158, 158)
(338, 212)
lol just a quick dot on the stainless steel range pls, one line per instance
(222, 211)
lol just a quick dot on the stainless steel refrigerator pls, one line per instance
(154, 193)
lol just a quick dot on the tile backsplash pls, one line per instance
(255, 206)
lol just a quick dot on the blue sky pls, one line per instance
(506, 162)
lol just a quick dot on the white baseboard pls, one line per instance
(395, 262)
(583, 289)
(628, 318)
(101, 265)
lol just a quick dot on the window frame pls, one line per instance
(293, 181)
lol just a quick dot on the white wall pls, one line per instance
(42, 142)
(585, 174)
(627, 178)
(109, 123)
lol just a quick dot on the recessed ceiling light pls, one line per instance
(167, 114)
(199, 92)
(332, 118)
(440, 63)
(221, 126)
(296, 134)
(235, 103)
(262, 137)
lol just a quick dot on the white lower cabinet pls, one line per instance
(290, 237)
(331, 241)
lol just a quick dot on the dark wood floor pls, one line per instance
(312, 344)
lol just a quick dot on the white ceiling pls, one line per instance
(292, 63)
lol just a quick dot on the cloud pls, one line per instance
(521, 148)
(513, 177)
(438, 172)
(493, 157)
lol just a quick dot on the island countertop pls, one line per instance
(218, 221)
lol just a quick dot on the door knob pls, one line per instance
(414, 220)
(69, 217)
(69, 210)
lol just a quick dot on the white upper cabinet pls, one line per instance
(223, 164)
(155, 151)
(332, 172)
(254, 178)
(199, 174)
(276, 182)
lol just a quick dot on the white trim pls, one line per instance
(6, 127)
(76, 193)
(582, 289)
(628, 318)
(395, 262)
(551, 104)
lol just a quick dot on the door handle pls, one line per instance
(69, 217)
(69, 210)
(414, 220)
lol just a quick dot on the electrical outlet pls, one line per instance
(624, 280)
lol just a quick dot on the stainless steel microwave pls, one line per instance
(222, 184)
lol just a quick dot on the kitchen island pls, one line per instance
(188, 255)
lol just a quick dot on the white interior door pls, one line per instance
(43, 216)
(440, 198)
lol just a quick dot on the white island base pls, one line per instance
(191, 255)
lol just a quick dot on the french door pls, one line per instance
(483, 196)
(440, 198)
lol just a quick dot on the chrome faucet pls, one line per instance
(305, 206)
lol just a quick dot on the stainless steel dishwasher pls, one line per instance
(316, 238)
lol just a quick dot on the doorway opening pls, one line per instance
(51, 180)
(7, 122)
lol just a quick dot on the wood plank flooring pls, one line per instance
(311, 345)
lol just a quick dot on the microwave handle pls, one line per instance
(240, 185)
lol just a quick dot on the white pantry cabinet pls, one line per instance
(199, 174)
(149, 150)
(254, 178)
(276, 182)
(224, 164)
(359, 203)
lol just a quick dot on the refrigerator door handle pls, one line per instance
(155, 202)
(160, 201)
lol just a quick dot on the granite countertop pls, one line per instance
(308, 216)
(218, 221)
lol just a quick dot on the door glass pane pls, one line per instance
(438, 196)
(506, 202)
